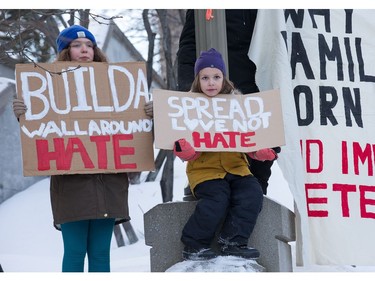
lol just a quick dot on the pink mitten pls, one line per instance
(183, 149)
(263, 154)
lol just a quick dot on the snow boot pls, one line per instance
(194, 254)
(242, 251)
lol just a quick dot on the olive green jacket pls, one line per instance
(215, 165)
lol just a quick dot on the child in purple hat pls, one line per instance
(221, 181)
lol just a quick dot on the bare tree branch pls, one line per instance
(151, 43)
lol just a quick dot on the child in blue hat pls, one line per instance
(85, 207)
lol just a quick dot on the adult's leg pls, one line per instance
(262, 170)
(99, 244)
(75, 245)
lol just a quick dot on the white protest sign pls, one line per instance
(323, 62)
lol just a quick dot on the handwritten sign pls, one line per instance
(221, 123)
(88, 119)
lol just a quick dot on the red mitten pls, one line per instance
(183, 149)
(263, 154)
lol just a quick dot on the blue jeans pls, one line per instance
(91, 237)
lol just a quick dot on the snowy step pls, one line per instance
(274, 229)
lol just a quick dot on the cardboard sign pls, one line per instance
(84, 118)
(222, 123)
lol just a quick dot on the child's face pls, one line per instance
(81, 49)
(211, 81)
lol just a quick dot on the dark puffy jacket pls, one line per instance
(240, 26)
(89, 196)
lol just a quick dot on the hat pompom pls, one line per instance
(71, 33)
(210, 58)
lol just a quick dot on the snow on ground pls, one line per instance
(30, 243)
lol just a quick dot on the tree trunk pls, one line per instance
(158, 163)
(166, 182)
(118, 235)
(130, 233)
(134, 177)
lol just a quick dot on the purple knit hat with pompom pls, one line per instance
(210, 58)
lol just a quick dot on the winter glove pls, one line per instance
(149, 109)
(263, 154)
(19, 108)
(183, 149)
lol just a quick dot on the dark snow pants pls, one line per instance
(238, 199)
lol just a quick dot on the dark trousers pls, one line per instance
(237, 199)
(262, 170)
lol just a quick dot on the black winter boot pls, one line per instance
(194, 254)
(242, 251)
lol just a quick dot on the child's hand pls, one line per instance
(183, 150)
(263, 154)
(19, 108)
(149, 109)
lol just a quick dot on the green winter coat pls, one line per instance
(89, 196)
(215, 165)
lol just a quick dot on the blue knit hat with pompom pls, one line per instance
(71, 33)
